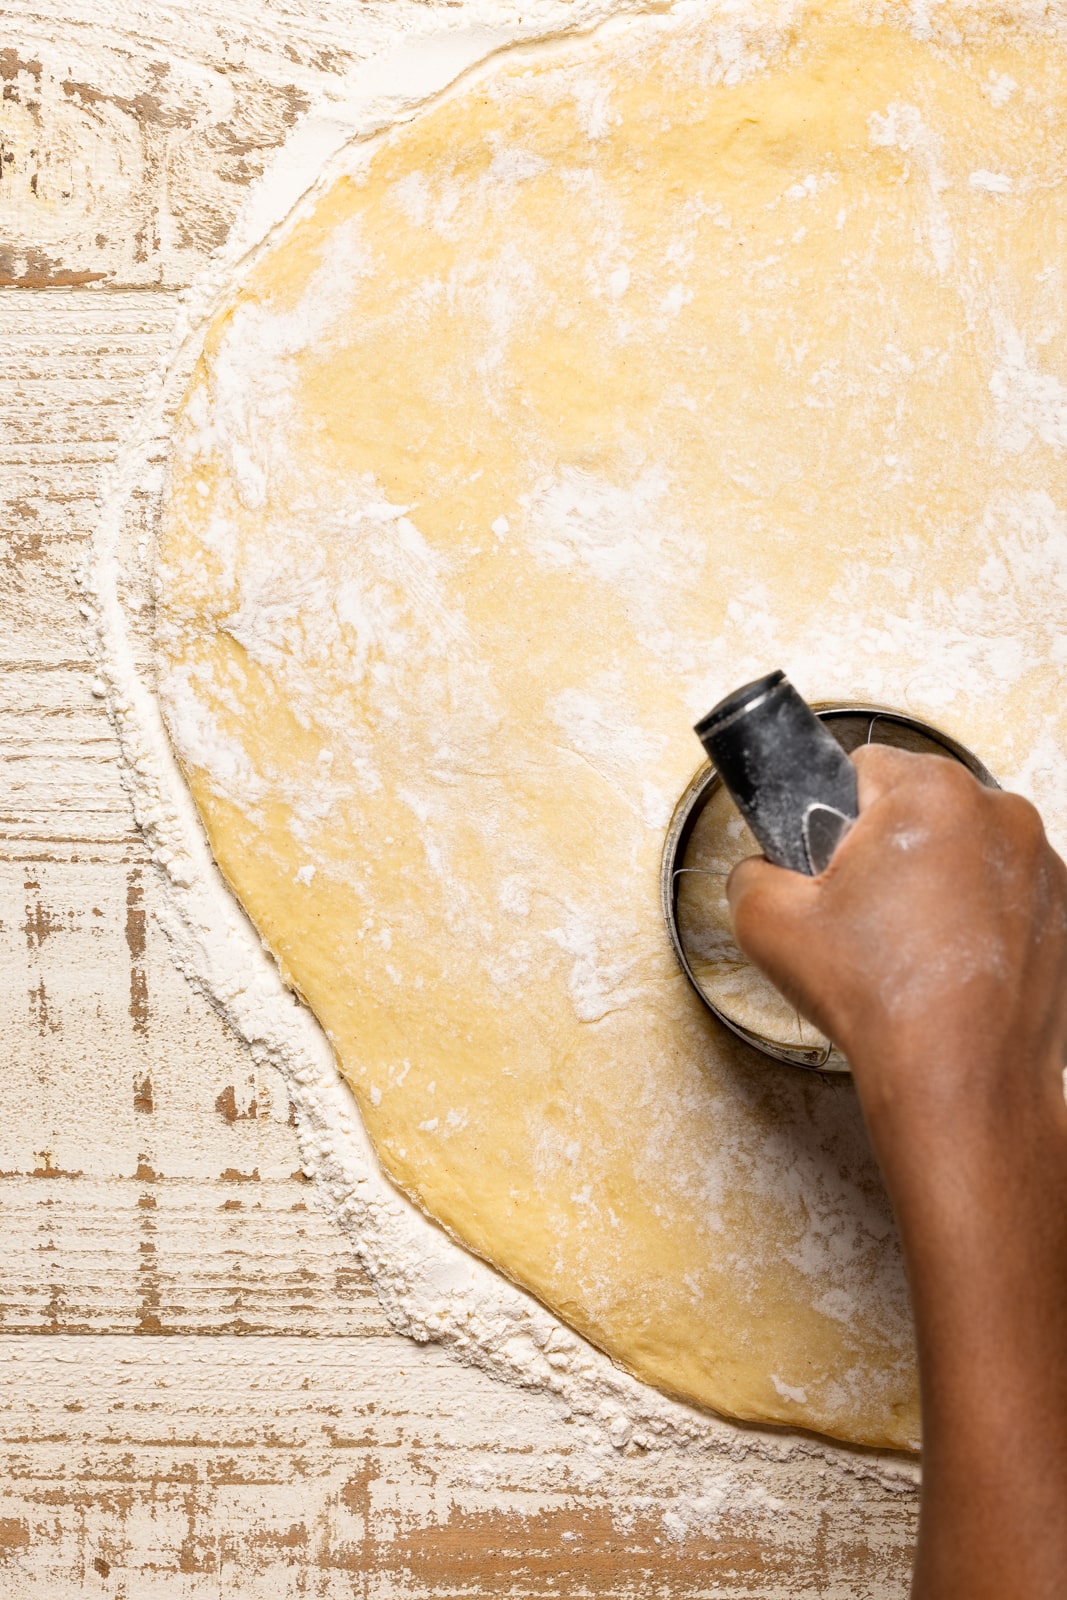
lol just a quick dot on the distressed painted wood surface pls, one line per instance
(199, 1394)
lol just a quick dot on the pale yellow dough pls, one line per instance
(641, 365)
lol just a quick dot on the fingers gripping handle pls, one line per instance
(789, 777)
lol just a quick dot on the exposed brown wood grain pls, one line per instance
(125, 155)
(299, 1467)
(199, 1393)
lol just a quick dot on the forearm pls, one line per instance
(980, 1191)
(933, 950)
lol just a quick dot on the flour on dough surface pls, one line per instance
(638, 366)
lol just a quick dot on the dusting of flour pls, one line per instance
(432, 1288)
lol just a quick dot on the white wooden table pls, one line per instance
(200, 1395)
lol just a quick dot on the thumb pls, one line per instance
(768, 905)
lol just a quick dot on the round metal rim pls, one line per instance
(699, 791)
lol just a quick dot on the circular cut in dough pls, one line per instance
(629, 370)
(716, 839)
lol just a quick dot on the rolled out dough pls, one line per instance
(633, 367)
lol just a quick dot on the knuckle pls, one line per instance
(1024, 813)
(950, 777)
(880, 761)
(948, 788)
(1022, 818)
(746, 900)
(752, 905)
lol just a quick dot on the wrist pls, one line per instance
(961, 1132)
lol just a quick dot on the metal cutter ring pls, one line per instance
(853, 725)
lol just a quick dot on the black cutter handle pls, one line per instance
(789, 777)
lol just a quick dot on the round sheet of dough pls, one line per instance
(635, 367)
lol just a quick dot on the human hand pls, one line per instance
(932, 950)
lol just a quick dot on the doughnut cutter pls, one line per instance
(792, 788)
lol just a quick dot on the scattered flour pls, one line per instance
(430, 1287)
